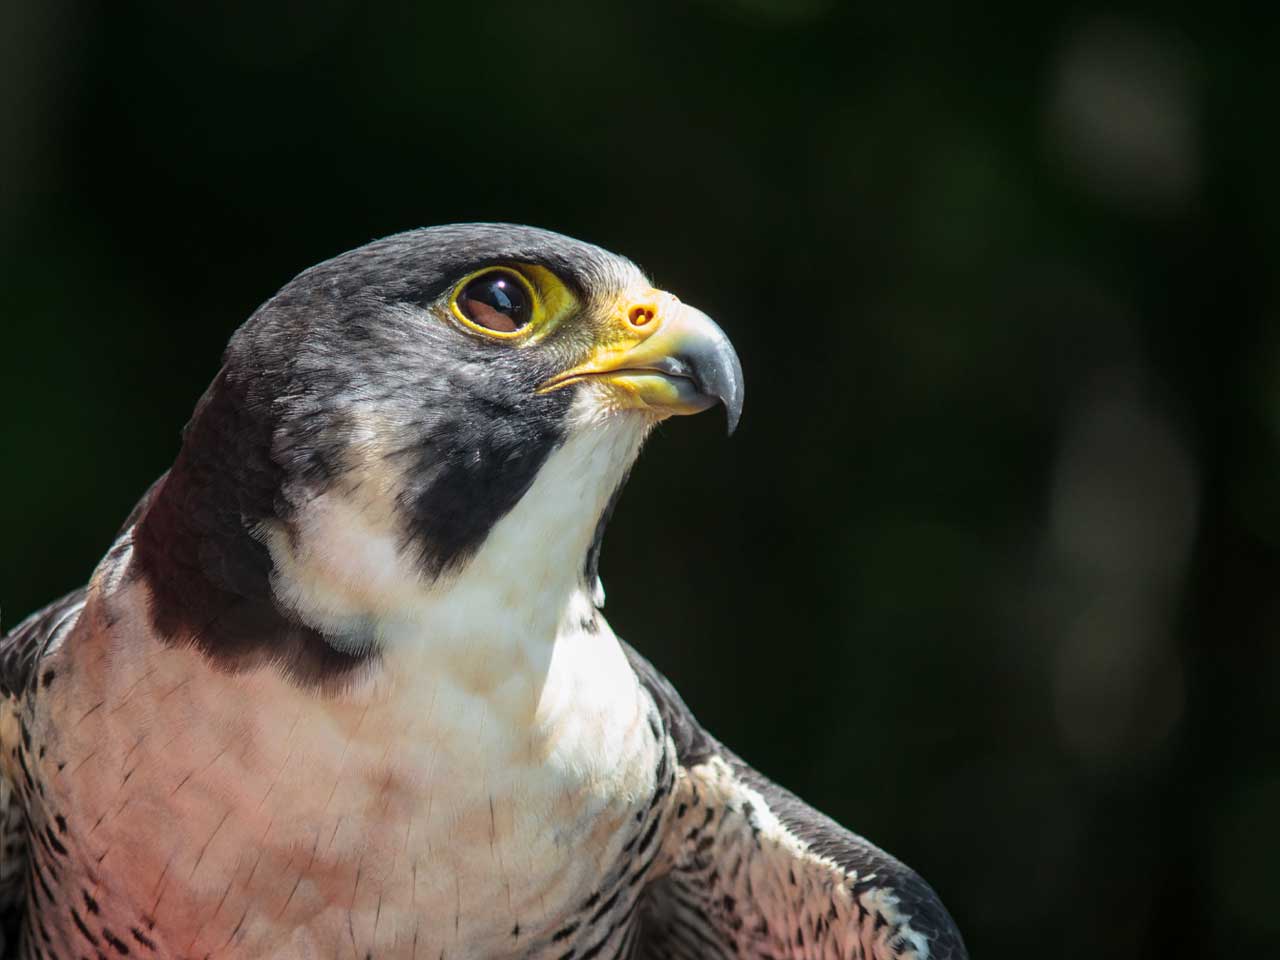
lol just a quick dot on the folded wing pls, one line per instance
(751, 871)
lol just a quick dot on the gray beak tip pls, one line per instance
(733, 413)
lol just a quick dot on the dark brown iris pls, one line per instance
(496, 301)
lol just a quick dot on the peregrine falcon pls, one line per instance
(342, 688)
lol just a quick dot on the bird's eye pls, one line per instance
(516, 302)
(497, 301)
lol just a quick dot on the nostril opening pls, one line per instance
(639, 316)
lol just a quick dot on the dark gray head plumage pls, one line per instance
(350, 341)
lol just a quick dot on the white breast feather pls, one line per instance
(478, 781)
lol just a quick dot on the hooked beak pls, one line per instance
(673, 359)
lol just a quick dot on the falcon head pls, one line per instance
(431, 426)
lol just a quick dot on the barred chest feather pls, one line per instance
(491, 786)
(193, 813)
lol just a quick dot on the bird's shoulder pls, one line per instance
(43, 633)
(24, 653)
(753, 871)
(24, 647)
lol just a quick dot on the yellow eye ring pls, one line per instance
(499, 302)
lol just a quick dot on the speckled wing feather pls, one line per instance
(751, 871)
(21, 651)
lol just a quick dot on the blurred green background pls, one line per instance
(990, 570)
